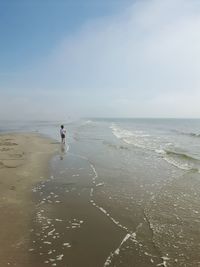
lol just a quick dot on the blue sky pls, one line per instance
(30, 29)
(99, 58)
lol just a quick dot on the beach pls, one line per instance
(24, 161)
(120, 193)
(48, 214)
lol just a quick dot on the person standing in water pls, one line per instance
(62, 134)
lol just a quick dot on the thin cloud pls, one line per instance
(155, 43)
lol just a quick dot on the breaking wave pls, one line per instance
(168, 151)
(136, 138)
(180, 155)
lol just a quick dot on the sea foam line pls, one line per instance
(128, 235)
(95, 174)
(100, 208)
(117, 251)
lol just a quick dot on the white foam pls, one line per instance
(47, 242)
(67, 245)
(127, 237)
(100, 184)
(117, 251)
(91, 192)
(59, 257)
(51, 232)
(121, 133)
(136, 138)
(164, 263)
(58, 220)
(160, 151)
(94, 170)
(182, 166)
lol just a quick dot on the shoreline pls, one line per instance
(24, 161)
(66, 215)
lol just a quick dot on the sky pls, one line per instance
(64, 59)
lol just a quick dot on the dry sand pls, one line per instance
(23, 162)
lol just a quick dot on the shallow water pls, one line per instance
(122, 193)
(67, 227)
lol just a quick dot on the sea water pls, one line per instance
(149, 169)
(139, 175)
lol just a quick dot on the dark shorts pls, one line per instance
(62, 135)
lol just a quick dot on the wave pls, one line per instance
(194, 134)
(191, 134)
(136, 138)
(179, 165)
(124, 133)
(180, 160)
(181, 155)
(169, 152)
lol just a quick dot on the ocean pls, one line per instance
(127, 192)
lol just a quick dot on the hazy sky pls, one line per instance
(108, 58)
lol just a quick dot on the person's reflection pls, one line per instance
(62, 151)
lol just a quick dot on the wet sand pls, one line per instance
(23, 162)
(94, 209)
(68, 228)
(49, 216)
